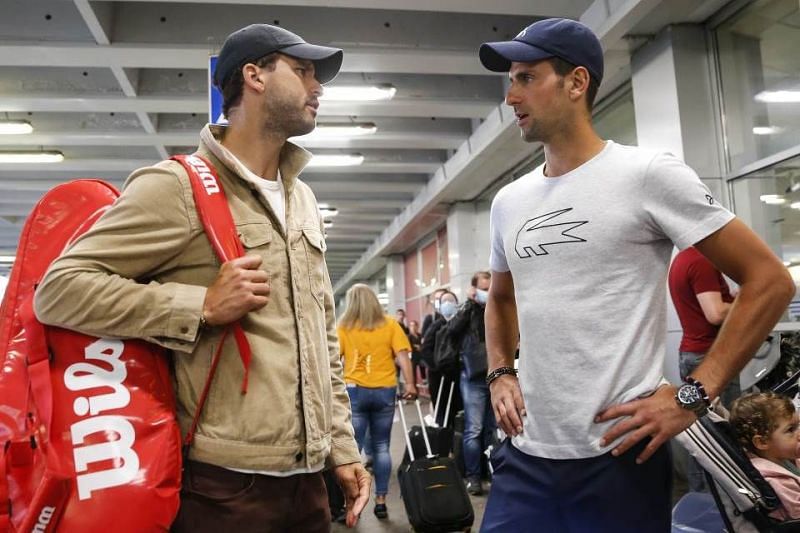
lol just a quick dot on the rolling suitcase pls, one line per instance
(433, 494)
(440, 438)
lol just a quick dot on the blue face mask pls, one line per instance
(481, 296)
(448, 309)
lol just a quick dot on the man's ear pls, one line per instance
(580, 79)
(252, 76)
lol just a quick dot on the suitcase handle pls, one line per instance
(447, 408)
(405, 430)
(438, 399)
(449, 402)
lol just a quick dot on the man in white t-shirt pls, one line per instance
(580, 251)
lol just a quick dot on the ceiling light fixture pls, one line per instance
(15, 127)
(766, 130)
(350, 93)
(340, 130)
(31, 157)
(327, 223)
(795, 205)
(779, 97)
(328, 211)
(7, 259)
(336, 160)
(775, 201)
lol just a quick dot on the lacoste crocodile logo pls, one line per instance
(542, 231)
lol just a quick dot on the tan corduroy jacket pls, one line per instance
(142, 272)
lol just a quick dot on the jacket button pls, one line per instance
(298, 457)
(184, 329)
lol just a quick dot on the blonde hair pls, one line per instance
(759, 414)
(363, 310)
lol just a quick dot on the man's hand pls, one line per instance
(508, 405)
(471, 293)
(658, 416)
(355, 481)
(240, 287)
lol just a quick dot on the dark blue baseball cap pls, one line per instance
(257, 40)
(567, 39)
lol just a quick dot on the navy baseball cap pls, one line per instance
(567, 39)
(257, 40)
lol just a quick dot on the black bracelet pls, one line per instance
(502, 371)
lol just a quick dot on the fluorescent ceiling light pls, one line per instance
(328, 211)
(766, 130)
(336, 160)
(15, 127)
(772, 199)
(31, 157)
(350, 93)
(795, 205)
(328, 131)
(7, 259)
(327, 223)
(779, 97)
(775, 201)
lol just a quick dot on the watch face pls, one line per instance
(688, 395)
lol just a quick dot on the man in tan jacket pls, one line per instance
(146, 270)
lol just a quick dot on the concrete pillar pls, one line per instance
(395, 283)
(467, 243)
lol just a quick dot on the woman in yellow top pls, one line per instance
(371, 343)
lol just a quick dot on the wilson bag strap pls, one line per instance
(38, 363)
(215, 215)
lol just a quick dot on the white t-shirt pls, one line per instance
(589, 253)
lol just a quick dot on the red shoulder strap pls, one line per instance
(215, 215)
(38, 361)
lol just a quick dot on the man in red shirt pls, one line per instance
(702, 299)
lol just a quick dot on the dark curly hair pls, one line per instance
(759, 414)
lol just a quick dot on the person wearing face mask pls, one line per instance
(433, 305)
(467, 331)
(433, 343)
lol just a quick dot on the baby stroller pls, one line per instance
(743, 497)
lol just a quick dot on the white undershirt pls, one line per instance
(273, 192)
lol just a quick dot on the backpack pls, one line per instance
(88, 435)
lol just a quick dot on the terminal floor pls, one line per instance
(398, 522)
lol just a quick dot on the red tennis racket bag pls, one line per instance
(88, 436)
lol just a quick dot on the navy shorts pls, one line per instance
(592, 495)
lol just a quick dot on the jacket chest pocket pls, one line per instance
(314, 246)
(256, 237)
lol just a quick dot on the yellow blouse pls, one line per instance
(369, 354)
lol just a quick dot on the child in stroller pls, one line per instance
(766, 425)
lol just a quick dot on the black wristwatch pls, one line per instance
(692, 396)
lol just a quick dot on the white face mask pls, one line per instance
(448, 309)
(481, 296)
